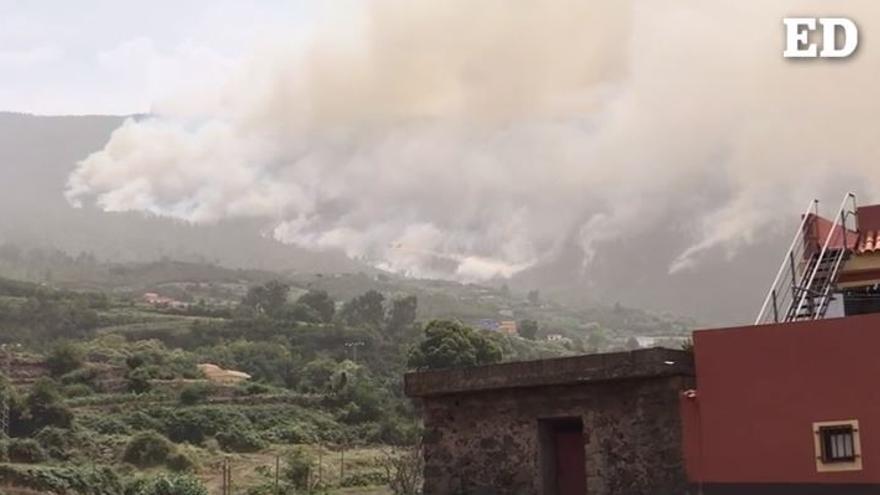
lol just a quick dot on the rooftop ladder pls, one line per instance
(804, 285)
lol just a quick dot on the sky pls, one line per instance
(123, 57)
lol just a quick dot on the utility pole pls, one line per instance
(227, 477)
(354, 347)
(342, 464)
(277, 468)
(4, 394)
(320, 464)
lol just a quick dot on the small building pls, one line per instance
(508, 327)
(558, 338)
(602, 424)
(488, 324)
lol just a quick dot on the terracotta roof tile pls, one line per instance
(869, 243)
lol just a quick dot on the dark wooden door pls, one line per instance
(571, 473)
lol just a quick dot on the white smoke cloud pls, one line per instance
(471, 139)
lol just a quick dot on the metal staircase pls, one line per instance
(804, 285)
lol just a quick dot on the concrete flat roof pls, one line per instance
(640, 364)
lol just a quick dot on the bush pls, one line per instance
(64, 358)
(142, 421)
(256, 389)
(298, 464)
(180, 462)
(107, 425)
(83, 480)
(26, 451)
(291, 434)
(194, 425)
(139, 380)
(77, 390)
(148, 449)
(164, 484)
(364, 479)
(56, 442)
(85, 376)
(194, 393)
(43, 407)
(240, 441)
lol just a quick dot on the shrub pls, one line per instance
(82, 480)
(86, 376)
(240, 441)
(194, 393)
(291, 434)
(174, 484)
(140, 420)
(364, 479)
(108, 425)
(404, 470)
(298, 464)
(56, 442)
(180, 462)
(43, 407)
(64, 358)
(139, 380)
(26, 451)
(147, 449)
(256, 388)
(77, 390)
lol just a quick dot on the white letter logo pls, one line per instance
(829, 37)
(797, 37)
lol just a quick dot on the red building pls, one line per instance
(791, 405)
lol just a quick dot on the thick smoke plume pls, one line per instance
(473, 139)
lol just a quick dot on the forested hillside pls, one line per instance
(131, 376)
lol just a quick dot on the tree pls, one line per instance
(64, 358)
(404, 470)
(319, 301)
(298, 465)
(528, 329)
(402, 314)
(534, 297)
(632, 344)
(147, 449)
(269, 298)
(315, 376)
(366, 309)
(43, 407)
(449, 344)
(301, 312)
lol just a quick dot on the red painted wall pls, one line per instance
(869, 217)
(760, 389)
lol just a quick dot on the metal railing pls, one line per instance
(781, 295)
(841, 227)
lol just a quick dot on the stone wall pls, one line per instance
(487, 442)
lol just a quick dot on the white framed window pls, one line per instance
(837, 445)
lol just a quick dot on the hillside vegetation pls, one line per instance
(107, 394)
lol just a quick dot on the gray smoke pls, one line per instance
(472, 139)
